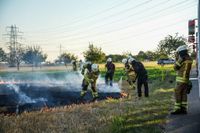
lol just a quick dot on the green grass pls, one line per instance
(153, 72)
(147, 114)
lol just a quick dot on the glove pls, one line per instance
(180, 59)
(189, 87)
(82, 72)
(91, 80)
(176, 56)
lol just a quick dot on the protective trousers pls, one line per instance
(85, 85)
(181, 96)
(109, 76)
(142, 80)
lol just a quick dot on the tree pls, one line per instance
(15, 56)
(94, 54)
(150, 55)
(2, 55)
(167, 46)
(141, 56)
(34, 55)
(67, 57)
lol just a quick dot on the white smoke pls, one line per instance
(68, 81)
(23, 98)
(102, 87)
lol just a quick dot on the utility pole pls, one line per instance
(60, 54)
(60, 49)
(198, 20)
(14, 46)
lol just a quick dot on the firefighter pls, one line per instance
(130, 73)
(80, 65)
(74, 65)
(91, 73)
(182, 66)
(110, 70)
(142, 76)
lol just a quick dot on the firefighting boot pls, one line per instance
(111, 83)
(95, 96)
(176, 112)
(184, 107)
(184, 110)
(83, 92)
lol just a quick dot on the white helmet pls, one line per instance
(124, 61)
(181, 48)
(95, 67)
(72, 61)
(88, 62)
(130, 59)
(109, 60)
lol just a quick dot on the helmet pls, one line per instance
(88, 62)
(72, 61)
(181, 48)
(130, 59)
(95, 67)
(109, 60)
(124, 61)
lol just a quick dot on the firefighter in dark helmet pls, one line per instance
(110, 70)
(91, 73)
(182, 66)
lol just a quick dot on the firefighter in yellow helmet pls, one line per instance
(91, 73)
(182, 66)
(130, 73)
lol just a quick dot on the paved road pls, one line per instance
(189, 123)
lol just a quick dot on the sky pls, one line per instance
(117, 26)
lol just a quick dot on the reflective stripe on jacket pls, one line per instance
(183, 70)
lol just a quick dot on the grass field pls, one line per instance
(128, 114)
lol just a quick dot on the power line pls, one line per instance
(115, 14)
(130, 25)
(141, 34)
(78, 19)
(149, 31)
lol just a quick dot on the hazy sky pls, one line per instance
(116, 26)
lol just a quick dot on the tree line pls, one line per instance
(35, 56)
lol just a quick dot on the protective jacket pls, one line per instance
(183, 67)
(140, 71)
(141, 78)
(130, 72)
(88, 73)
(110, 68)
